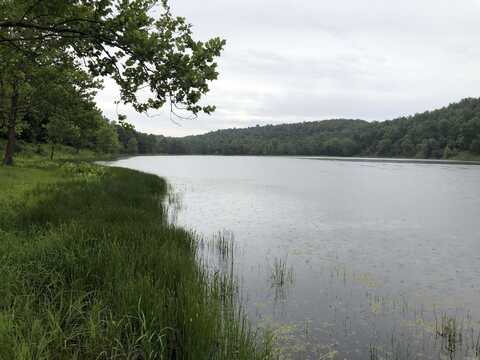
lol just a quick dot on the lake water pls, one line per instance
(353, 260)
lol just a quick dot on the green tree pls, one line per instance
(429, 148)
(14, 92)
(448, 152)
(106, 139)
(132, 146)
(61, 131)
(475, 146)
(407, 147)
(32, 94)
(116, 38)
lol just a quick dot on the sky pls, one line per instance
(304, 60)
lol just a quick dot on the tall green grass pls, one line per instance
(91, 269)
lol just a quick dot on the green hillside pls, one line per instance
(449, 132)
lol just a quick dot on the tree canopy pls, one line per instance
(150, 53)
(443, 133)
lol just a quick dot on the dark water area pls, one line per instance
(343, 260)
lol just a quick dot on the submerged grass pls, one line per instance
(91, 269)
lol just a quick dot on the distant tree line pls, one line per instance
(445, 133)
(442, 133)
(133, 142)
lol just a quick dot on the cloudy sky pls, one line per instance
(303, 60)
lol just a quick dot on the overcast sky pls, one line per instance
(294, 60)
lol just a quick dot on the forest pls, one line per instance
(450, 132)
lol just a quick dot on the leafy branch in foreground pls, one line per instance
(153, 59)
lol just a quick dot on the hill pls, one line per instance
(448, 132)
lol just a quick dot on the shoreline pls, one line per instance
(392, 160)
(319, 158)
(91, 247)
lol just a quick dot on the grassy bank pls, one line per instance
(90, 269)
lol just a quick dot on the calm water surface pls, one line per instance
(351, 260)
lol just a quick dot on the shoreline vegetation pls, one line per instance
(334, 158)
(91, 269)
(449, 133)
(394, 160)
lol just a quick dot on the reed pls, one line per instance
(91, 269)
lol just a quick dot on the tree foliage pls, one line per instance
(139, 43)
(118, 38)
(442, 133)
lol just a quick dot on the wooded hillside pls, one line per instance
(442, 133)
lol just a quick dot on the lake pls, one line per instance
(356, 260)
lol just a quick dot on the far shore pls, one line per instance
(324, 158)
(392, 160)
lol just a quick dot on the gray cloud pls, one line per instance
(289, 61)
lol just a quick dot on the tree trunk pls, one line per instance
(12, 124)
(52, 151)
